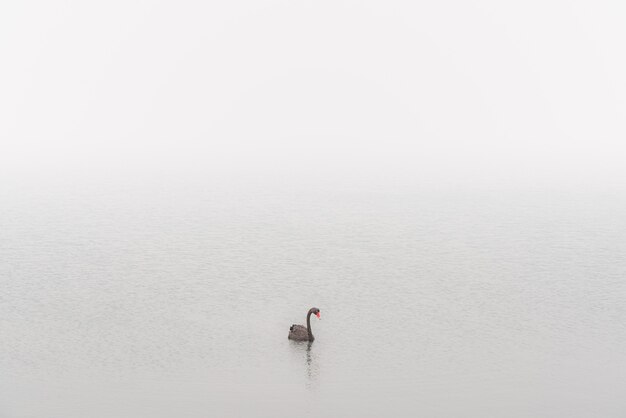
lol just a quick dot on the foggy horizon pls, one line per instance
(450, 93)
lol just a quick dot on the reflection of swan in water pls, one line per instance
(312, 369)
(311, 361)
(308, 360)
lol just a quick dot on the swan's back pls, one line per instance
(298, 333)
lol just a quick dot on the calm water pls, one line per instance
(175, 301)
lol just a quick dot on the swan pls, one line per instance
(302, 333)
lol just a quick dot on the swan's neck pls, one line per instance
(308, 326)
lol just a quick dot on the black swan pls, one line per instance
(301, 333)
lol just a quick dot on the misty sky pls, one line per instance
(460, 91)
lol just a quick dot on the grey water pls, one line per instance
(162, 300)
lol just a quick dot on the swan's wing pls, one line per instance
(298, 328)
(298, 333)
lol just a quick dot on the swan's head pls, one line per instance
(316, 312)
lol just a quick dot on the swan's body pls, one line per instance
(302, 333)
(299, 333)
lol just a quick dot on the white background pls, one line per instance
(451, 92)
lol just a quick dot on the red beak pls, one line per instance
(318, 315)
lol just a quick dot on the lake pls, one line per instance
(174, 299)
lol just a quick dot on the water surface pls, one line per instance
(166, 300)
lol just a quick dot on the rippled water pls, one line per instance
(171, 300)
